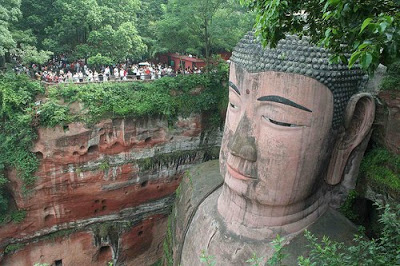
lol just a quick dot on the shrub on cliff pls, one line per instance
(382, 170)
(20, 113)
(384, 250)
(169, 97)
(17, 101)
(391, 81)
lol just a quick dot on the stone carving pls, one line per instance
(292, 123)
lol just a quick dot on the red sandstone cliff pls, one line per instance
(389, 120)
(103, 193)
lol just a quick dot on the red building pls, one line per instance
(182, 61)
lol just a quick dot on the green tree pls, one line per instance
(9, 13)
(369, 30)
(17, 94)
(99, 60)
(149, 14)
(13, 41)
(84, 28)
(117, 44)
(201, 27)
(37, 15)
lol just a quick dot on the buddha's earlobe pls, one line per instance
(358, 119)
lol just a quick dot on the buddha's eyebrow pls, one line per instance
(279, 99)
(233, 86)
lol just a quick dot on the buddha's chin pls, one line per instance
(248, 218)
(238, 183)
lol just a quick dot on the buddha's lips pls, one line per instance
(240, 168)
(236, 174)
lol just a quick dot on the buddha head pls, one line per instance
(292, 121)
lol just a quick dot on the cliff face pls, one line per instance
(103, 193)
(388, 117)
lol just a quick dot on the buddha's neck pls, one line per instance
(256, 221)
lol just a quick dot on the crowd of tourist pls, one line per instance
(59, 70)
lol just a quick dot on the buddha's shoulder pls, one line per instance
(199, 181)
(197, 184)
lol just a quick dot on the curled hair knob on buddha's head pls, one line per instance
(295, 55)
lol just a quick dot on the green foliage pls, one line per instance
(168, 97)
(18, 216)
(148, 16)
(117, 43)
(391, 80)
(382, 169)
(167, 254)
(104, 230)
(85, 27)
(347, 208)
(98, 60)
(207, 259)
(202, 27)
(278, 255)
(9, 13)
(158, 263)
(369, 30)
(53, 114)
(382, 251)
(29, 54)
(168, 243)
(17, 96)
(166, 159)
(41, 264)
(324, 253)
(13, 247)
(58, 234)
(15, 41)
(104, 166)
(3, 204)
(255, 260)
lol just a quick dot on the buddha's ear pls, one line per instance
(358, 119)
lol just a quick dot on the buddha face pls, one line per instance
(277, 135)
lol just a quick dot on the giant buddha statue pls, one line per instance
(293, 121)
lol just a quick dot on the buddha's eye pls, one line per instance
(282, 124)
(233, 106)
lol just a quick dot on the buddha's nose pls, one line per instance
(242, 143)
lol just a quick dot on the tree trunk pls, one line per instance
(207, 41)
(2, 61)
(7, 57)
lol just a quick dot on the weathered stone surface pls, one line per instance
(138, 245)
(389, 120)
(116, 169)
(376, 194)
(198, 220)
(199, 182)
(143, 244)
(76, 249)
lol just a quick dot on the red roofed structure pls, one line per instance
(182, 61)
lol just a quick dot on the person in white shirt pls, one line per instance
(116, 73)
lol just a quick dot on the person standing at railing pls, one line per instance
(116, 73)
(106, 73)
(121, 74)
(80, 76)
(90, 75)
(96, 76)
